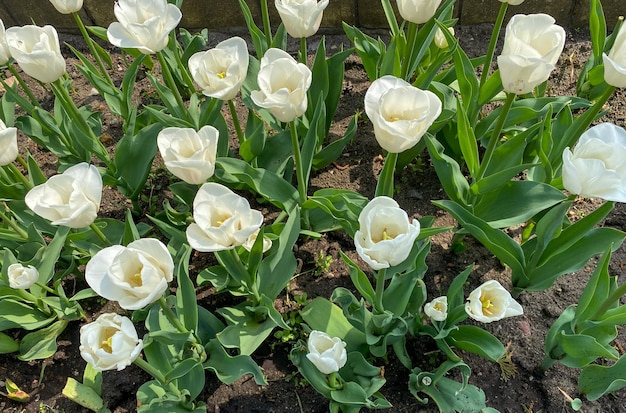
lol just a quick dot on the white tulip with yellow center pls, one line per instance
(37, 50)
(532, 46)
(110, 342)
(596, 167)
(71, 199)
(385, 236)
(144, 25)
(400, 113)
(67, 6)
(512, 2)
(221, 71)
(21, 277)
(223, 219)
(491, 302)
(134, 276)
(615, 61)
(8, 144)
(437, 309)
(418, 11)
(302, 18)
(326, 353)
(188, 154)
(283, 84)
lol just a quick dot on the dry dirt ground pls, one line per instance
(357, 169)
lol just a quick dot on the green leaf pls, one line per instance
(42, 343)
(595, 381)
(467, 140)
(243, 331)
(7, 344)
(51, 255)
(228, 368)
(186, 303)
(596, 291)
(448, 171)
(82, 394)
(597, 29)
(476, 340)
(18, 314)
(359, 279)
(581, 349)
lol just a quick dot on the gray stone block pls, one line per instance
(486, 11)
(25, 12)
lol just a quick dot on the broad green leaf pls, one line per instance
(82, 394)
(42, 343)
(476, 340)
(448, 171)
(580, 350)
(359, 279)
(7, 344)
(467, 140)
(595, 380)
(186, 303)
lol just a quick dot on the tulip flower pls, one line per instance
(400, 113)
(221, 71)
(596, 167)
(21, 277)
(71, 199)
(110, 342)
(134, 276)
(267, 243)
(188, 154)
(144, 25)
(532, 46)
(8, 144)
(224, 220)
(326, 353)
(283, 84)
(37, 51)
(491, 302)
(385, 236)
(615, 61)
(437, 309)
(512, 2)
(67, 6)
(418, 11)
(5, 54)
(301, 18)
(440, 39)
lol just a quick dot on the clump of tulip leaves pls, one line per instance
(425, 96)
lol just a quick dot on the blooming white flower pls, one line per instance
(512, 2)
(71, 199)
(283, 84)
(144, 25)
(21, 277)
(596, 167)
(491, 302)
(221, 71)
(110, 342)
(67, 6)
(301, 18)
(532, 46)
(400, 113)
(385, 236)
(267, 243)
(188, 154)
(8, 144)
(326, 353)
(37, 51)
(440, 39)
(134, 276)
(437, 309)
(418, 11)
(224, 220)
(5, 54)
(615, 61)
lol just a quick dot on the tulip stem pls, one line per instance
(96, 229)
(19, 231)
(160, 377)
(609, 302)
(492, 43)
(297, 156)
(380, 289)
(23, 85)
(267, 28)
(233, 113)
(303, 50)
(171, 316)
(169, 80)
(386, 179)
(245, 278)
(495, 135)
(92, 48)
(20, 176)
(410, 45)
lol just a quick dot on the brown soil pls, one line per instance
(357, 169)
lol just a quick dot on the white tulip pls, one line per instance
(224, 220)
(615, 61)
(5, 54)
(188, 154)
(8, 144)
(134, 276)
(440, 39)
(326, 353)
(221, 71)
(110, 342)
(512, 2)
(491, 302)
(267, 243)
(437, 309)
(596, 167)
(67, 6)
(283, 84)
(385, 236)
(301, 18)
(21, 277)
(418, 11)
(144, 25)
(532, 46)
(400, 113)
(37, 51)
(71, 199)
